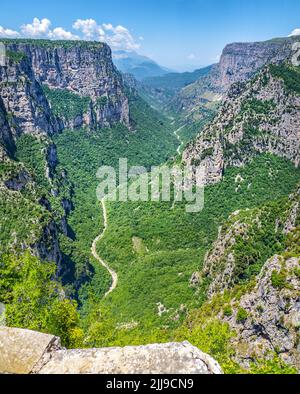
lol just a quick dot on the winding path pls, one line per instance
(112, 273)
(179, 139)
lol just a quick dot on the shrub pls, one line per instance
(241, 316)
(227, 311)
(278, 279)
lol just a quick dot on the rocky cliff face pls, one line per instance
(266, 314)
(27, 109)
(45, 87)
(272, 314)
(260, 116)
(84, 70)
(238, 63)
(7, 144)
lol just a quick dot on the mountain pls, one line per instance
(238, 62)
(225, 278)
(176, 81)
(139, 66)
(226, 275)
(64, 112)
(259, 116)
(256, 249)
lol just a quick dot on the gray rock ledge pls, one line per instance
(24, 352)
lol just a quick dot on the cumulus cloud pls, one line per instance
(38, 28)
(121, 38)
(89, 28)
(61, 34)
(8, 33)
(295, 32)
(118, 37)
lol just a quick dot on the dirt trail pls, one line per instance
(113, 274)
(179, 139)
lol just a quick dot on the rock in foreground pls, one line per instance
(24, 351)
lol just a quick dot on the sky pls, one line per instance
(178, 34)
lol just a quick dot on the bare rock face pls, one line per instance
(84, 69)
(7, 144)
(260, 116)
(21, 350)
(24, 351)
(27, 109)
(238, 63)
(266, 316)
(273, 314)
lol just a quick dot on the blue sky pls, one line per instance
(175, 33)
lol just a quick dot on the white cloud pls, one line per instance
(89, 28)
(61, 34)
(8, 33)
(107, 26)
(118, 37)
(121, 38)
(295, 32)
(38, 28)
(192, 56)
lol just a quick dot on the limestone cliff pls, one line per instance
(259, 116)
(84, 69)
(261, 290)
(238, 63)
(45, 87)
(28, 111)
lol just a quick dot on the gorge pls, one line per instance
(115, 274)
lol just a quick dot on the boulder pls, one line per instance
(24, 352)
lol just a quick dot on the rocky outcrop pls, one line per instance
(21, 350)
(260, 116)
(222, 264)
(238, 63)
(27, 109)
(24, 351)
(82, 68)
(271, 314)
(7, 145)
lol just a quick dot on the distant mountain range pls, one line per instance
(139, 66)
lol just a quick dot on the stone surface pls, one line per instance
(170, 358)
(84, 69)
(20, 350)
(273, 315)
(24, 351)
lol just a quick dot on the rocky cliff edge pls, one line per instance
(29, 352)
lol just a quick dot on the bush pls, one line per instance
(278, 279)
(227, 311)
(241, 316)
